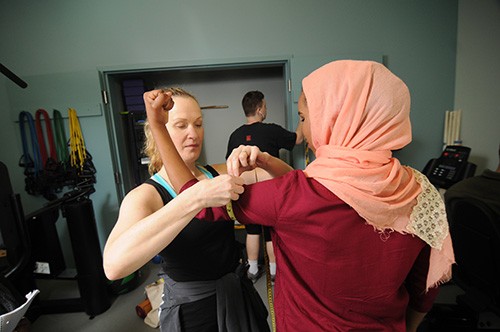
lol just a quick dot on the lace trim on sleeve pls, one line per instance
(428, 218)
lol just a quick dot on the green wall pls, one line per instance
(55, 37)
(477, 80)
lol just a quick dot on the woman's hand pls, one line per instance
(217, 191)
(246, 158)
(158, 103)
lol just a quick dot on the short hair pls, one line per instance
(149, 147)
(251, 101)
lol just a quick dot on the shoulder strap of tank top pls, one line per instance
(165, 196)
(158, 179)
(208, 170)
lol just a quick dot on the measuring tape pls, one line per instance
(230, 212)
(269, 285)
(306, 154)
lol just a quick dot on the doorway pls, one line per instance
(219, 89)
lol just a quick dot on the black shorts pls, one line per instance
(257, 230)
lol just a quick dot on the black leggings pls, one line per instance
(258, 229)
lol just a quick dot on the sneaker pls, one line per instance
(255, 276)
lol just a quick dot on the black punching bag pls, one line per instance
(92, 281)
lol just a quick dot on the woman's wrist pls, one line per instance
(264, 161)
(275, 166)
(157, 123)
(196, 196)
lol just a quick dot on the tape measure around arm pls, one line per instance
(230, 212)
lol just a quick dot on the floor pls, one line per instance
(121, 316)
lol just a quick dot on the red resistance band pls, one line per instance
(41, 138)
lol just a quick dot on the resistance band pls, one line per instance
(41, 137)
(78, 153)
(60, 137)
(26, 160)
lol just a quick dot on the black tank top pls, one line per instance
(203, 250)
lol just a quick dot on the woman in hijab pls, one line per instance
(362, 242)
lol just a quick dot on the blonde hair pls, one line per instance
(149, 148)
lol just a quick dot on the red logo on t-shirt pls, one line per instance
(248, 138)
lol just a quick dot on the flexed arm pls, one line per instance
(246, 157)
(158, 103)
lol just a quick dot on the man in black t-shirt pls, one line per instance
(270, 138)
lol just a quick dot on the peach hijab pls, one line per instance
(359, 113)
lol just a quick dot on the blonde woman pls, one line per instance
(199, 258)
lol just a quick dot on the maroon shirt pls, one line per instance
(335, 272)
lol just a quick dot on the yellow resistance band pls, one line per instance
(78, 153)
